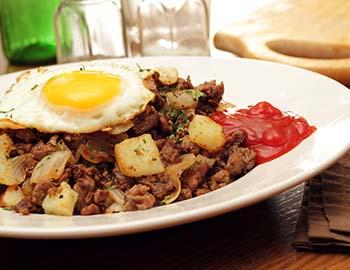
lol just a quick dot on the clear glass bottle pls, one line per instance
(132, 32)
(27, 31)
(174, 27)
(89, 29)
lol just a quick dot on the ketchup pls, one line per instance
(269, 132)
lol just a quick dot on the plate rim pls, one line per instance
(104, 230)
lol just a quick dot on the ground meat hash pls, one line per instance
(168, 127)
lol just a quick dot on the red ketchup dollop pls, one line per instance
(269, 132)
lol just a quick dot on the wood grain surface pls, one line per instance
(257, 237)
(310, 34)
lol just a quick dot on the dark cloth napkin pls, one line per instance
(324, 216)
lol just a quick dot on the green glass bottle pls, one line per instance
(28, 32)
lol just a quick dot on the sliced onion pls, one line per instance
(12, 196)
(174, 172)
(118, 129)
(115, 208)
(117, 195)
(63, 147)
(12, 171)
(98, 148)
(18, 166)
(50, 167)
(181, 99)
(210, 161)
(224, 106)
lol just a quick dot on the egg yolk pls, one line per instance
(81, 89)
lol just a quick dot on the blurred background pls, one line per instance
(309, 34)
(37, 32)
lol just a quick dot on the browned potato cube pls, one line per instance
(206, 133)
(138, 156)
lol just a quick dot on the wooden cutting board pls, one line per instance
(312, 34)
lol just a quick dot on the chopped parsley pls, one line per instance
(179, 119)
(34, 87)
(8, 113)
(89, 147)
(167, 88)
(139, 149)
(196, 93)
(142, 69)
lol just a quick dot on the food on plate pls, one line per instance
(71, 100)
(104, 137)
(206, 133)
(138, 156)
(60, 200)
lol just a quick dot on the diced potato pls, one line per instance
(11, 196)
(206, 133)
(61, 202)
(138, 156)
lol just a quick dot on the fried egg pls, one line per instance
(78, 98)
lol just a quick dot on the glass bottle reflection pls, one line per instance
(174, 27)
(89, 29)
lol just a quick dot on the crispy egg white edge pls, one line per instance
(69, 121)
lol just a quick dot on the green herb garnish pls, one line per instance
(196, 94)
(89, 147)
(6, 112)
(142, 69)
(34, 87)
(180, 120)
(167, 88)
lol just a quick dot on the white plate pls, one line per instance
(322, 101)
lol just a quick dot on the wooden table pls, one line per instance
(257, 237)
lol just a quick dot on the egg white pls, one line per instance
(24, 103)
